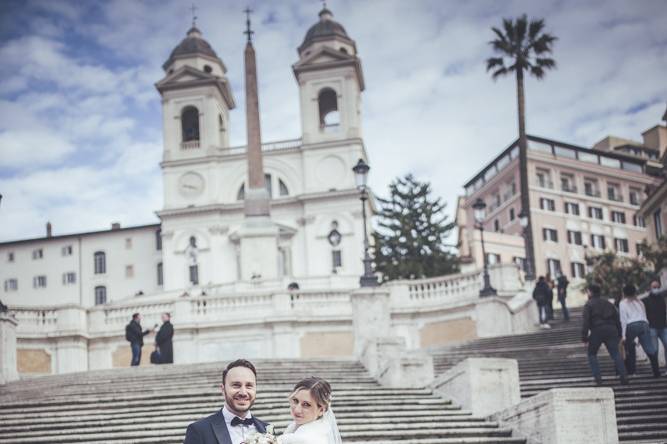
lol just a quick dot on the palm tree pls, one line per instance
(522, 47)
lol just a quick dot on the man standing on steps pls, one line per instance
(163, 340)
(135, 336)
(541, 296)
(602, 325)
(561, 285)
(233, 423)
(656, 312)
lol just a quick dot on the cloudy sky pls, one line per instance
(80, 122)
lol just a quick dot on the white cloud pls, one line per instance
(429, 107)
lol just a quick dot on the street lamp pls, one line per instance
(528, 268)
(479, 209)
(361, 178)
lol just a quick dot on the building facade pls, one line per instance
(314, 203)
(582, 202)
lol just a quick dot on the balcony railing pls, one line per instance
(568, 188)
(615, 197)
(545, 184)
(592, 193)
(270, 146)
(190, 145)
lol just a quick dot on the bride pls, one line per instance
(314, 421)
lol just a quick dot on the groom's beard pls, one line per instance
(232, 402)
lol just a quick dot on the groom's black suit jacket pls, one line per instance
(213, 430)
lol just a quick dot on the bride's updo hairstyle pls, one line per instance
(319, 389)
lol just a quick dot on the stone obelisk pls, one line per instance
(256, 195)
(258, 234)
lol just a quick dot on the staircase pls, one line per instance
(557, 358)
(155, 405)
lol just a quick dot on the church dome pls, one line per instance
(326, 28)
(193, 44)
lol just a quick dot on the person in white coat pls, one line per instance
(313, 420)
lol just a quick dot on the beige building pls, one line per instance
(582, 202)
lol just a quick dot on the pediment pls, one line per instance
(325, 55)
(185, 74)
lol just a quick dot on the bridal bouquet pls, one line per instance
(262, 438)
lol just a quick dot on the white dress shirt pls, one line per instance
(631, 310)
(238, 433)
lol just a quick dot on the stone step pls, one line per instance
(128, 405)
(556, 358)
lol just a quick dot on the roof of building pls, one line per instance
(324, 29)
(75, 235)
(610, 154)
(192, 44)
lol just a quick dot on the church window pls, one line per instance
(100, 295)
(337, 260)
(194, 274)
(39, 282)
(221, 124)
(11, 284)
(193, 242)
(208, 69)
(283, 188)
(190, 123)
(100, 262)
(158, 239)
(343, 50)
(328, 104)
(240, 195)
(160, 274)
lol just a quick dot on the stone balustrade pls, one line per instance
(214, 323)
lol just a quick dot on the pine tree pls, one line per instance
(410, 241)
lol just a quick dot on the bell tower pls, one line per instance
(196, 100)
(330, 82)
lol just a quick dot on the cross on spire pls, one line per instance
(249, 32)
(194, 15)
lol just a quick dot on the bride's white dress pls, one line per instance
(320, 431)
(316, 432)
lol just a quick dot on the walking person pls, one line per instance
(634, 325)
(163, 340)
(561, 285)
(601, 326)
(656, 313)
(135, 336)
(541, 296)
(550, 298)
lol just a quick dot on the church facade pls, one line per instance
(206, 241)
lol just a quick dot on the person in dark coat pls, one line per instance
(561, 285)
(656, 312)
(163, 340)
(602, 325)
(541, 294)
(135, 335)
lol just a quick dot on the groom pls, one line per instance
(234, 422)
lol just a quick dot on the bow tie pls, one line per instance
(238, 421)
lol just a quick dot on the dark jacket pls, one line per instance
(134, 334)
(599, 312)
(562, 284)
(656, 312)
(542, 293)
(213, 430)
(163, 341)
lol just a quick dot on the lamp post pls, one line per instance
(368, 279)
(479, 208)
(528, 268)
